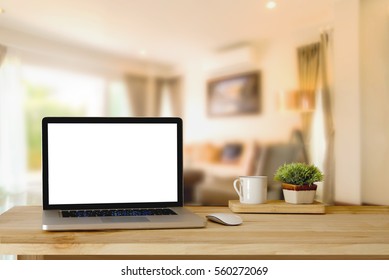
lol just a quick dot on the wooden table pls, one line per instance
(342, 233)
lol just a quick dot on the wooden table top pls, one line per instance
(343, 232)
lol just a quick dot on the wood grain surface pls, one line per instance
(343, 232)
(277, 207)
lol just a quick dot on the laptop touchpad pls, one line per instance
(124, 219)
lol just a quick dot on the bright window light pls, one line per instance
(53, 92)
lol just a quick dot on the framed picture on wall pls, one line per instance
(234, 95)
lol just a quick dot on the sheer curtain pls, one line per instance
(170, 103)
(326, 58)
(3, 51)
(175, 93)
(137, 93)
(308, 66)
(154, 97)
(159, 100)
(315, 74)
(323, 132)
(13, 156)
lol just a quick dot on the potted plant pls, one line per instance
(298, 181)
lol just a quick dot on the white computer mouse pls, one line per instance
(227, 219)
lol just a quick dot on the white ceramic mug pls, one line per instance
(251, 189)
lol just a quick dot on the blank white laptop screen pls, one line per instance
(94, 163)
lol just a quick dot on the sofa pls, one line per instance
(222, 166)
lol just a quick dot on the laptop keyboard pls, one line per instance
(117, 212)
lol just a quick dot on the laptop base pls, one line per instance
(53, 221)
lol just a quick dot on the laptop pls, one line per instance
(113, 173)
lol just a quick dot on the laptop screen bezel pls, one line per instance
(114, 120)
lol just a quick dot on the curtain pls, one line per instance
(165, 98)
(175, 92)
(308, 70)
(168, 97)
(159, 90)
(2, 56)
(13, 155)
(3, 51)
(326, 58)
(308, 63)
(137, 93)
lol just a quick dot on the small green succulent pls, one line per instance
(298, 174)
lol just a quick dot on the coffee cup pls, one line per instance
(251, 189)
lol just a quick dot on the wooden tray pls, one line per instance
(277, 207)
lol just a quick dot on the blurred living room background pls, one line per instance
(257, 83)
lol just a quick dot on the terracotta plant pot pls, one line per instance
(295, 194)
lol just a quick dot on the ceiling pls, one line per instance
(163, 30)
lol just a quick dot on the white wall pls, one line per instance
(375, 100)
(277, 63)
(361, 99)
(347, 113)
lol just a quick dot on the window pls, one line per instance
(56, 93)
(118, 101)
